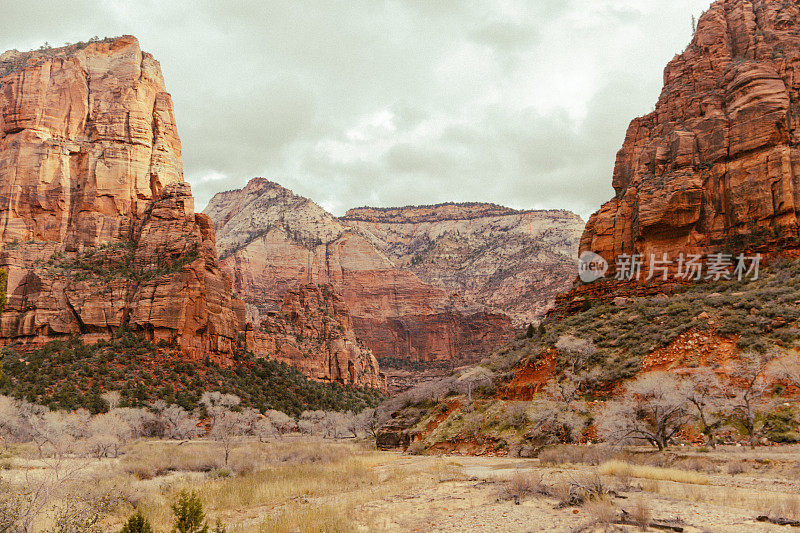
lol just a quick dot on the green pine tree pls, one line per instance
(137, 523)
(531, 331)
(3, 288)
(189, 516)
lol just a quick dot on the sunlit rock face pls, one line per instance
(97, 226)
(718, 157)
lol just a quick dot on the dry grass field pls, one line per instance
(308, 484)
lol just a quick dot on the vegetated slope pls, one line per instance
(672, 327)
(496, 258)
(68, 374)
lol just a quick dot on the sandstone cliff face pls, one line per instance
(313, 332)
(97, 226)
(493, 258)
(271, 240)
(719, 155)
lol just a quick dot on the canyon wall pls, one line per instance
(98, 230)
(271, 240)
(717, 162)
(313, 332)
(492, 258)
(97, 226)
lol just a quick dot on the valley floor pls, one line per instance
(303, 484)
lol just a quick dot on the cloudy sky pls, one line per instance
(367, 102)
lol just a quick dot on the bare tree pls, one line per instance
(473, 378)
(264, 429)
(652, 410)
(705, 398)
(575, 351)
(113, 398)
(786, 367)
(752, 382)
(178, 423)
(143, 422)
(227, 425)
(551, 422)
(370, 421)
(13, 425)
(282, 422)
(37, 493)
(108, 431)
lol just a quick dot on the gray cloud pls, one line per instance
(394, 102)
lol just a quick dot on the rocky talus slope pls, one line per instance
(97, 226)
(493, 258)
(717, 160)
(271, 240)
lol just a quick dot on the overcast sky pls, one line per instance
(363, 102)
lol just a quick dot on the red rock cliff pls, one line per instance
(719, 155)
(97, 226)
(272, 240)
(314, 333)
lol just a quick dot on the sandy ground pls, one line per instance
(469, 502)
(396, 492)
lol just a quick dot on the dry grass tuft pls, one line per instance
(603, 511)
(620, 468)
(641, 514)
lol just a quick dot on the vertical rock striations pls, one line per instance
(718, 158)
(313, 332)
(97, 226)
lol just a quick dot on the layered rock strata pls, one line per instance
(717, 162)
(97, 226)
(272, 240)
(493, 258)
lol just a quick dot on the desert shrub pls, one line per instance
(582, 489)
(698, 464)
(603, 511)
(522, 485)
(736, 467)
(781, 425)
(641, 514)
(68, 374)
(416, 448)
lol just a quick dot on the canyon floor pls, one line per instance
(303, 484)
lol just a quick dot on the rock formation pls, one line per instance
(313, 332)
(271, 240)
(718, 157)
(493, 258)
(97, 226)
